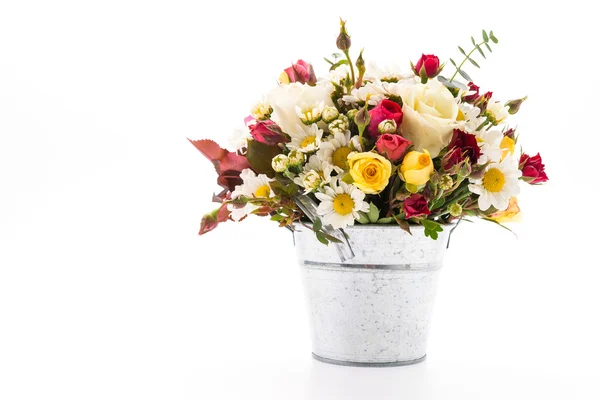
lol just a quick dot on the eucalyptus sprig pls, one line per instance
(487, 37)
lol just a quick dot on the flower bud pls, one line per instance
(455, 209)
(341, 124)
(343, 40)
(296, 158)
(515, 105)
(309, 113)
(446, 182)
(329, 114)
(387, 126)
(312, 180)
(261, 111)
(351, 114)
(280, 163)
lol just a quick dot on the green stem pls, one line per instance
(347, 53)
(465, 60)
(484, 123)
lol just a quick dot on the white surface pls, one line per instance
(106, 292)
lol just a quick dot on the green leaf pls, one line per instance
(452, 62)
(465, 75)
(453, 85)
(485, 35)
(328, 61)
(501, 225)
(321, 238)
(480, 51)
(362, 218)
(431, 228)
(331, 238)
(277, 217)
(438, 203)
(373, 213)
(462, 51)
(317, 224)
(260, 156)
(473, 62)
(493, 37)
(473, 41)
(488, 47)
(386, 220)
(338, 64)
(402, 223)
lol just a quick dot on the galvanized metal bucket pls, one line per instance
(373, 310)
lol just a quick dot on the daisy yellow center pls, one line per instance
(263, 191)
(340, 157)
(424, 160)
(493, 180)
(308, 141)
(343, 204)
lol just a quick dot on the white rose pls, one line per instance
(429, 116)
(284, 99)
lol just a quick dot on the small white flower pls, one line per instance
(253, 186)
(500, 182)
(329, 114)
(489, 142)
(496, 111)
(305, 139)
(316, 173)
(335, 150)
(310, 113)
(238, 139)
(341, 124)
(355, 144)
(394, 89)
(296, 158)
(374, 92)
(387, 126)
(280, 163)
(261, 110)
(340, 204)
(468, 119)
(389, 73)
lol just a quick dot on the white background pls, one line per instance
(106, 292)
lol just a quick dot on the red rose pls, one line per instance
(392, 146)
(302, 72)
(429, 63)
(533, 169)
(472, 97)
(416, 206)
(267, 132)
(386, 109)
(461, 146)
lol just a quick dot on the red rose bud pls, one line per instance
(416, 206)
(462, 145)
(343, 41)
(482, 101)
(392, 146)
(210, 221)
(533, 169)
(428, 66)
(267, 132)
(515, 105)
(510, 133)
(472, 97)
(386, 109)
(301, 72)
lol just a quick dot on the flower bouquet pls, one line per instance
(369, 157)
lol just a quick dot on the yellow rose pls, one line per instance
(417, 168)
(370, 171)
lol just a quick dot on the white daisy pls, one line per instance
(340, 204)
(496, 111)
(335, 150)
(310, 113)
(316, 173)
(489, 142)
(253, 186)
(238, 139)
(261, 110)
(499, 183)
(305, 139)
(394, 89)
(371, 90)
(389, 73)
(468, 119)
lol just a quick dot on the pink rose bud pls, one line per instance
(392, 146)
(428, 66)
(386, 109)
(301, 72)
(267, 132)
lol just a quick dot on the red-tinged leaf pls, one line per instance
(234, 162)
(212, 220)
(209, 149)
